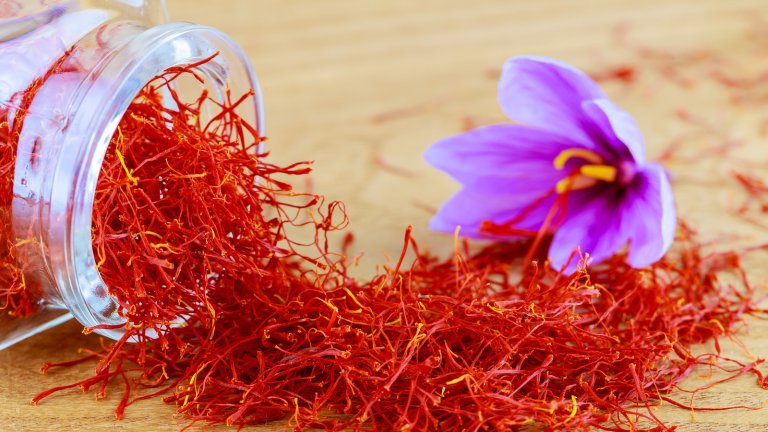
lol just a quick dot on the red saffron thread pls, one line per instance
(384, 164)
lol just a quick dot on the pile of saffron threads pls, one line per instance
(193, 231)
(755, 204)
(174, 232)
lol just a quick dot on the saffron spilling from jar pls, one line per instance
(238, 311)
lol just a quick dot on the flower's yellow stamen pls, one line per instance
(588, 174)
(566, 155)
(599, 172)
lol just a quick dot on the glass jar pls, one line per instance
(68, 71)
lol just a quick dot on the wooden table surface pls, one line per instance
(363, 87)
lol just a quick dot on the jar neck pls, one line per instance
(77, 110)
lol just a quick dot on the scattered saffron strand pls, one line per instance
(755, 205)
(428, 344)
(388, 166)
(624, 73)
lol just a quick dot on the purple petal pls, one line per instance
(593, 225)
(649, 216)
(470, 208)
(643, 214)
(502, 159)
(548, 94)
(617, 128)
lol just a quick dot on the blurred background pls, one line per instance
(363, 87)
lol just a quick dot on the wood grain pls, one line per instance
(363, 87)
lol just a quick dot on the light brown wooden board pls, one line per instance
(347, 82)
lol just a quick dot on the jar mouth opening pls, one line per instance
(113, 87)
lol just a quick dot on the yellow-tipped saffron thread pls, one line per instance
(658, 394)
(192, 382)
(128, 171)
(354, 299)
(718, 324)
(152, 233)
(496, 308)
(296, 412)
(457, 380)
(456, 247)
(574, 408)
(550, 410)
(21, 243)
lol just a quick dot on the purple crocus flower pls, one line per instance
(569, 149)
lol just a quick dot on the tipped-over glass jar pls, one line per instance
(68, 71)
